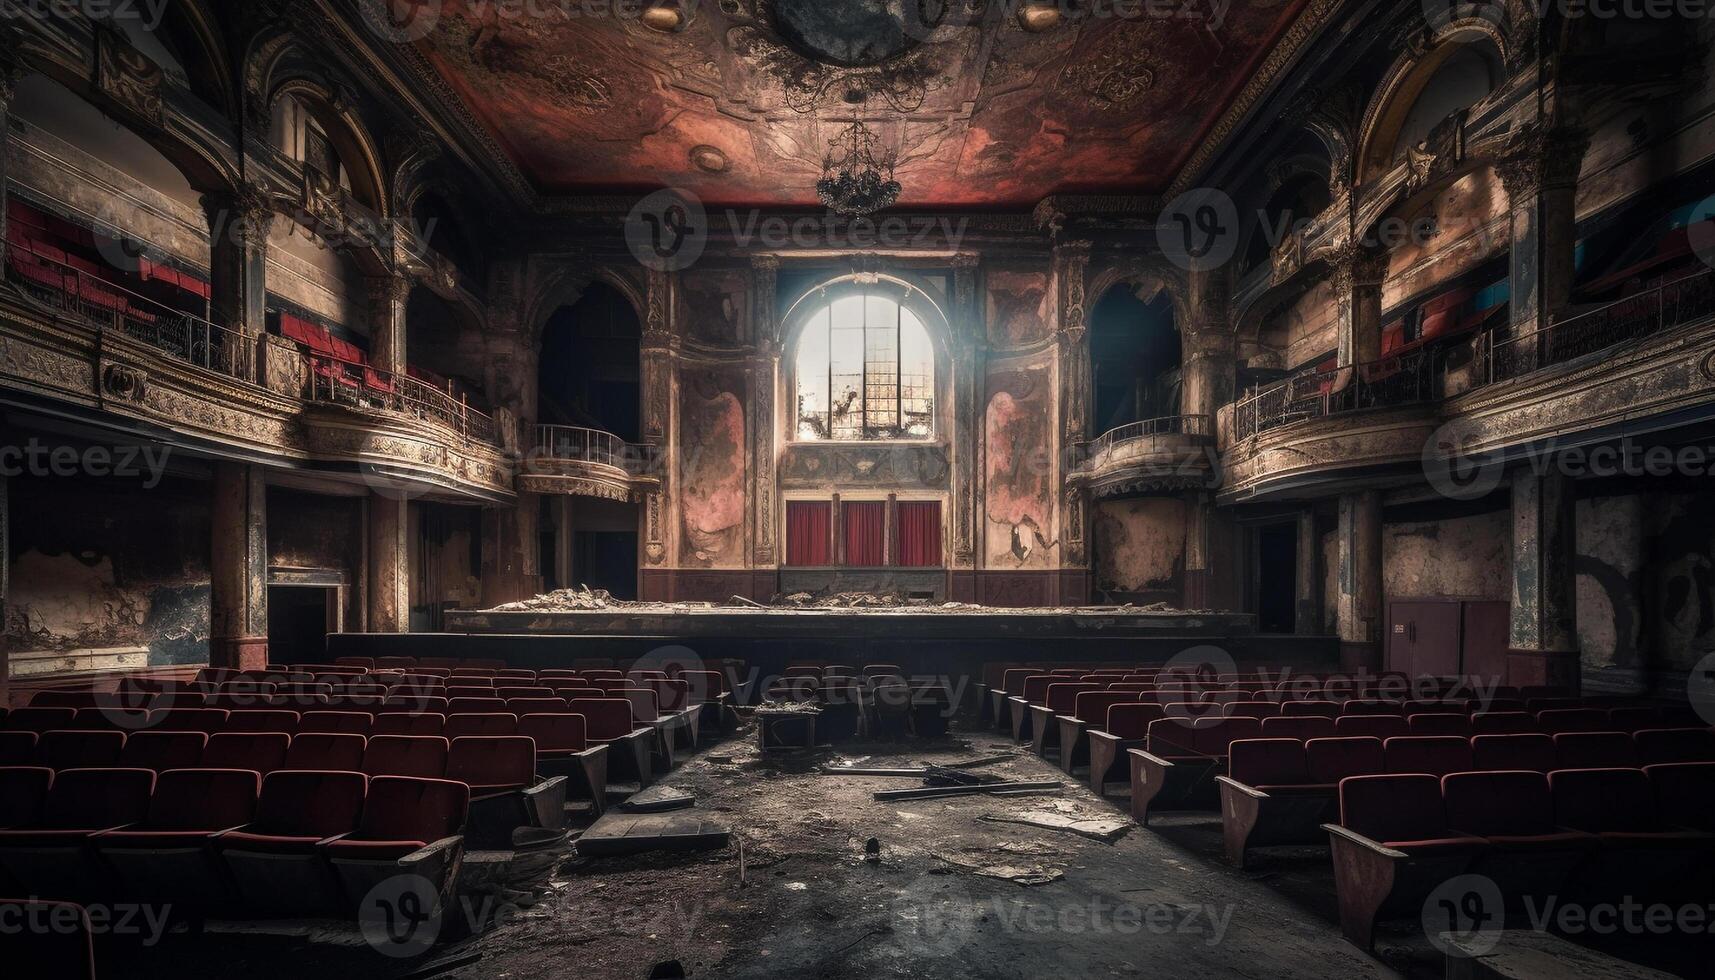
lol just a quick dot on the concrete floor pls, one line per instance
(795, 897)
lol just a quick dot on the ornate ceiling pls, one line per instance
(737, 105)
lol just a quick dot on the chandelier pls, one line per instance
(855, 181)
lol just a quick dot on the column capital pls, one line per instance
(1357, 266)
(1537, 159)
(386, 290)
(244, 211)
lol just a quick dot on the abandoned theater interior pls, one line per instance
(857, 488)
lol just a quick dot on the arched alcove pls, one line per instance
(589, 372)
(1134, 359)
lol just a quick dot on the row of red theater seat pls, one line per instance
(220, 840)
(1608, 834)
(334, 716)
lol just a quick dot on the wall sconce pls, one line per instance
(1037, 17)
(665, 16)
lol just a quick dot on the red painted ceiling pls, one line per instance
(588, 104)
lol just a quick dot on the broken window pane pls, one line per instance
(865, 370)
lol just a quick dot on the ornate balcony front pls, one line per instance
(1153, 456)
(589, 463)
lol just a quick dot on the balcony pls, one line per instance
(1164, 454)
(332, 381)
(566, 459)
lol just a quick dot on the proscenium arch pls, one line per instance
(909, 295)
(1405, 82)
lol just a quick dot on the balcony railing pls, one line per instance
(107, 305)
(343, 382)
(1668, 305)
(1193, 427)
(1408, 379)
(575, 444)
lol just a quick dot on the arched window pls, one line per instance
(865, 370)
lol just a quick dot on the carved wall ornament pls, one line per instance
(1112, 79)
(127, 76)
(573, 86)
(124, 382)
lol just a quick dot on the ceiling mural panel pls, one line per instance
(738, 104)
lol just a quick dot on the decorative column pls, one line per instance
(764, 372)
(387, 296)
(1358, 273)
(510, 563)
(8, 88)
(238, 225)
(389, 565)
(1308, 614)
(1359, 603)
(5, 542)
(238, 579)
(1210, 375)
(1071, 267)
(969, 351)
(1543, 638)
(1539, 171)
(657, 353)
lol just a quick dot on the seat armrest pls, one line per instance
(441, 850)
(1238, 787)
(1359, 840)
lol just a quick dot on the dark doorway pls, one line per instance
(298, 623)
(1277, 567)
(590, 374)
(1134, 360)
(607, 560)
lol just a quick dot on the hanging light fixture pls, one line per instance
(856, 181)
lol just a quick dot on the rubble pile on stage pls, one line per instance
(586, 599)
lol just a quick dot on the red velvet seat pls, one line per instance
(418, 756)
(1091, 707)
(1370, 706)
(389, 722)
(38, 719)
(704, 685)
(1404, 812)
(394, 663)
(526, 706)
(63, 699)
(1684, 793)
(1560, 720)
(326, 752)
(644, 707)
(167, 856)
(511, 691)
(23, 789)
(18, 748)
(1641, 854)
(492, 765)
(1658, 745)
(1632, 719)
(163, 750)
(1326, 709)
(1530, 752)
(1436, 755)
(1371, 726)
(1300, 727)
(1436, 723)
(461, 725)
(261, 752)
(79, 749)
(51, 854)
(271, 720)
(65, 952)
(274, 860)
(555, 734)
(1250, 709)
(1594, 750)
(670, 694)
(469, 706)
(408, 826)
(1329, 760)
(334, 723)
(1504, 723)
(1514, 812)
(205, 720)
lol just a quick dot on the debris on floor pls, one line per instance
(1105, 829)
(659, 799)
(622, 833)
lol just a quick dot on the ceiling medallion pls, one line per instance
(1112, 80)
(840, 52)
(855, 180)
(709, 159)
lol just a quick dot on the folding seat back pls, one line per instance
(1537, 702)
(423, 756)
(203, 799)
(555, 734)
(1267, 762)
(1503, 723)
(1211, 736)
(261, 752)
(523, 691)
(96, 799)
(1092, 706)
(1300, 727)
(394, 663)
(1224, 698)
(636, 677)
(1684, 793)
(407, 723)
(492, 764)
(643, 704)
(1036, 687)
(262, 720)
(1435, 723)
(602, 673)
(18, 748)
(556, 673)
(1327, 709)
(1498, 704)
(460, 706)
(1131, 719)
(612, 685)
(163, 750)
(80, 749)
(1062, 698)
(38, 719)
(671, 694)
(705, 685)
(334, 722)
(1394, 808)
(439, 663)
(1526, 751)
(1604, 800)
(1632, 719)
(205, 720)
(1558, 720)
(473, 671)
(326, 751)
(1436, 755)
(1371, 726)
(1329, 760)
(426, 704)
(1434, 706)
(309, 803)
(1499, 804)
(1251, 709)
(470, 680)
(62, 699)
(528, 706)
(367, 663)
(412, 810)
(604, 718)
(480, 723)
(23, 790)
(1595, 750)
(1657, 745)
(1012, 682)
(567, 693)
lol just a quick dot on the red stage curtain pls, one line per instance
(866, 532)
(809, 529)
(919, 533)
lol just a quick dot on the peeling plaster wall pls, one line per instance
(444, 547)
(1018, 502)
(1331, 579)
(107, 563)
(1470, 225)
(712, 467)
(1610, 579)
(1306, 329)
(311, 531)
(1679, 579)
(1140, 548)
(1467, 557)
(716, 308)
(1020, 308)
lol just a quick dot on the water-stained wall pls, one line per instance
(712, 467)
(1018, 499)
(1139, 549)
